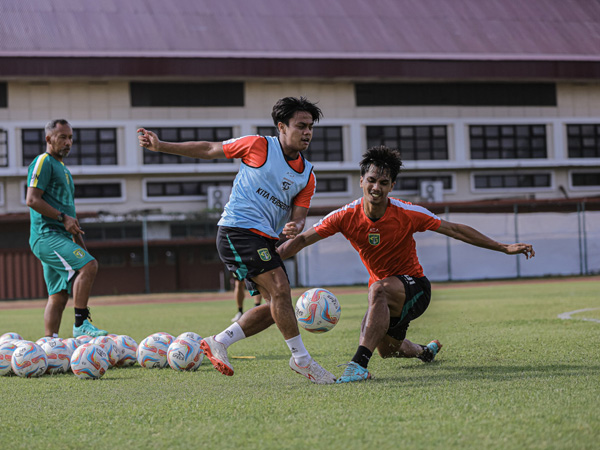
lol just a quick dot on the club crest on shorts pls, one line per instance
(79, 253)
(264, 254)
(374, 238)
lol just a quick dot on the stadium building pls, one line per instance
(495, 107)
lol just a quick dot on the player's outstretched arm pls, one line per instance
(192, 149)
(471, 236)
(291, 247)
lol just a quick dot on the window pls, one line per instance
(91, 146)
(326, 143)
(585, 179)
(112, 232)
(406, 183)
(98, 191)
(212, 134)
(183, 188)
(513, 181)
(186, 94)
(507, 141)
(3, 148)
(455, 94)
(414, 142)
(327, 185)
(193, 230)
(584, 141)
(3, 95)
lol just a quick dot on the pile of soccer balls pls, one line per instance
(90, 358)
(317, 311)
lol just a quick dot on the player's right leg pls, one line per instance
(53, 312)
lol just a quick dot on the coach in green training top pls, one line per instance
(56, 238)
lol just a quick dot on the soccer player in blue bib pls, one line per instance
(56, 237)
(271, 195)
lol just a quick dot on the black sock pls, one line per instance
(362, 356)
(80, 315)
(241, 310)
(256, 304)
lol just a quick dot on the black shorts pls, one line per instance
(418, 295)
(247, 254)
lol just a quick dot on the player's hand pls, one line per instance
(526, 249)
(291, 230)
(148, 139)
(72, 226)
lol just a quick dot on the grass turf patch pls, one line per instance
(510, 375)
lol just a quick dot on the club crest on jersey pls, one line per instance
(79, 253)
(374, 238)
(264, 254)
(286, 184)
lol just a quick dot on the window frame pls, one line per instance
(181, 198)
(526, 189)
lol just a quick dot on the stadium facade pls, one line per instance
(488, 103)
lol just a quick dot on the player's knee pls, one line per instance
(90, 269)
(377, 293)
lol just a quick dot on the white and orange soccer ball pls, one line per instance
(58, 356)
(185, 354)
(126, 350)
(89, 361)
(109, 347)
(7, 348)
(152, 352)
(318, 310)
(29, 360)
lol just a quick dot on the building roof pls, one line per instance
(255, 34)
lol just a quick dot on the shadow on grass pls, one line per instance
(419, 375)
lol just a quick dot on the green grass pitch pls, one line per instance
(511, 375)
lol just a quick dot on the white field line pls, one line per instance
(567, 315)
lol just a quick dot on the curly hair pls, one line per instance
(384, 158)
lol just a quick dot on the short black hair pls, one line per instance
(285, 108)
(50, 126)
(384, 158)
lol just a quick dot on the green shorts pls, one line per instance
(61, 259)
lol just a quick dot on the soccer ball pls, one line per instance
(58, 355)
(89, 361)
(169, 337)
(184, 354)
(109, 347)
(9, 336)
(72, 344)
(126, 350)
(318, 310)
(190, 335)
(152, 352)
(29, 360)
(41, 340)
(7, 348)
(84, 339)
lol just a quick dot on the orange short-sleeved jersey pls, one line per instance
(252, 150)
(386, 246)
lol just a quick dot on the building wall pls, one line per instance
(107, 104)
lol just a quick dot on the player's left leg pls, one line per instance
(385, 297)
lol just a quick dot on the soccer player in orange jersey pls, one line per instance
(381, 230)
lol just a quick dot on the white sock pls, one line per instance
(54, 335)
(231, 335)
(298, 350)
